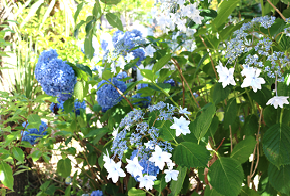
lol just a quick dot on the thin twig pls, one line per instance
(180, 71)
(276, 9)
(209, 57)
(120, 92)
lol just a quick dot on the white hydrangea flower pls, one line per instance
(278, 100)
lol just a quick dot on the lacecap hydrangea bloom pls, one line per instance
(32, 134)
(107, 94)
(55, 76)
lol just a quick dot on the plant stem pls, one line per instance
(276, 9)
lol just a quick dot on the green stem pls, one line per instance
(250, 99)
(281, 116)
(167, 95)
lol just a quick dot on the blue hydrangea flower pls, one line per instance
(170, 81)
(58, 79)
(27, 135)
(97, 193)
(107, 94)
(139, 53)
(44, 58)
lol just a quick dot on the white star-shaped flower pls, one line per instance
(160, 157)
(108, 161)
(129, 57)
(147, 181)
(171, 174)
(149, 145)
(115, 171)
(278, 100)
(181, 126)
(134, 168)
(226, 75)
(150, 51)
(252, 78)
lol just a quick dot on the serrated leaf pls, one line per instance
(166, 133)
(219, 93)
(244, 149)
(64, 167)
(114, 21)
(136, 192)
(276, 144)
(18, 154)
(191, 155)
(176, 186)
(211, 192)
(163, 61)
(202, 123)
(226, 176)
(280, 178)
(6, 175)
(248, 192)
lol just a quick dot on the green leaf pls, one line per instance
(97, 10)
(111, 1)
(34, 121)
(96, 132)
(44, 186)
(248, 192)
(114, 21)
(211, 192)
(176, 186)
(262, 96)
(51, 190)
(166, 133)
(226, 176)
(160, 184)
(36, 155)
(280, 178)
(67, 191)
(201, 124)
(219, 93)
(191, 155)
(6, 175)
(131, 183)
(79, 91)
(79, 8)
(136, 192)
(64, 167)
(97, 108)
(244, 149)
(276, 144)
(223, 12)
(146, 73)
(18, 154)
(251, 125)
(68, 105)
(230, 113)
(163, 61)
(88, 45)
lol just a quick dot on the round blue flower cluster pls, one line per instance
(107, 94)
(170, 81)
(149, 167)
(27, 135)
(54, 107)
(55, 76)
(97, 193)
